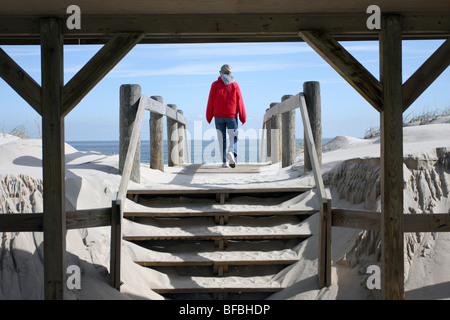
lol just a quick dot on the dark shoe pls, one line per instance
(230, 157)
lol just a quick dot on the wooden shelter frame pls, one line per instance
(121, 32)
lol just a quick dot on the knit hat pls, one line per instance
(226, 69)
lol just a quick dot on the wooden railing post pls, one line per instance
(288, 136)
(275, 136)
(311, 91)
(181, 139)
(172, 139)
(156, 138)
(129, 101)
(268, 125)
(116, 244)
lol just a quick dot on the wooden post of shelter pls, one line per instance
(392, 252)
(172, 139)
(156, 138)
(311, 90)
(129, 101)
(288, 136)
(181, 139)
(53, 158)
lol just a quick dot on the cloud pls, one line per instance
(209, 68)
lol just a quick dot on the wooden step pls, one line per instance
(220, 261)
(216, 237)
(202, 229)
(220, 285)
(181, 206)
(238, 289)
(218, 190)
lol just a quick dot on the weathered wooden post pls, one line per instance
(156, 138)
(288, 136)
(311, 90)
(172, 139)
(268, 125)
(129, 102)
(275, 134)
(53, 165)
(181, 141)
(392, 241)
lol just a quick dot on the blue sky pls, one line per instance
(182, 75)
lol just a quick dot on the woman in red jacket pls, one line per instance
(225, 104)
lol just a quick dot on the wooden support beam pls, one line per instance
(392, 255)
(53, 158)
(346, 65)
(426, 74)
(97, 68)
(371, 220)
(116, 244)
(20, 81)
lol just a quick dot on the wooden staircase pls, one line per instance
(217, 242)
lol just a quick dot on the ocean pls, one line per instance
(201, 151)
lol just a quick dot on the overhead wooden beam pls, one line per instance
(97, 68)
(20, 81)
(53, 159)
(346, 65)
(426, 74)
(218, 27)
(392, 253)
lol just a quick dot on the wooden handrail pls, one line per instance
(135, 136)
(160, 108)
(324, 271)
(323, 194)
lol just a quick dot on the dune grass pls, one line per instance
(424, 117)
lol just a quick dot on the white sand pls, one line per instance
(92, 180)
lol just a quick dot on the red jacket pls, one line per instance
(225, 101)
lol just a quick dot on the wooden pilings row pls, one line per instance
(176, 130)
(280, 143)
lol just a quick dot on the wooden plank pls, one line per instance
(223, 27)
(211, 263)
(33, 222)
(358, 219)
(426, 74)
(288, 105)
(324, 268)
(237, 289)
(309, 140)
(161, 109)
(53, 160)
(20, 81)
(371, 220)
(426, 222)
(128, 165)
(346, 65)
(218, 190)
(392, 248)
(90, 218)
(29, 222)
(97, 68)
(162, 213)
(211, 237)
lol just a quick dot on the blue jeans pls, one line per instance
(224, 125)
